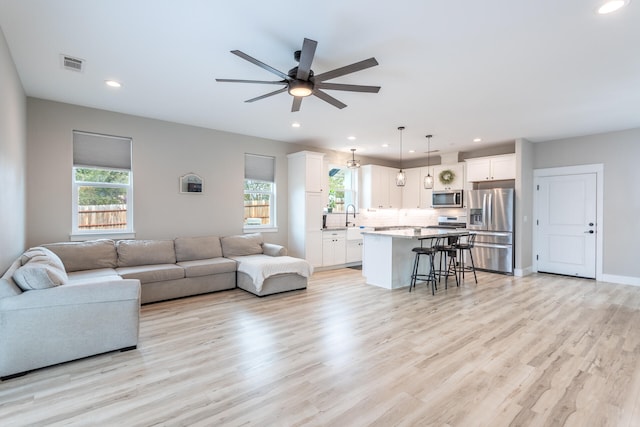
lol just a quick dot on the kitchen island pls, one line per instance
(387, 259)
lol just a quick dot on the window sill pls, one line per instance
(117, 235)
(260, 229)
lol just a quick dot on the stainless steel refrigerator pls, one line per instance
(490, 215)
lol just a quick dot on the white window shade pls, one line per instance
(259, 168)
(95, 150)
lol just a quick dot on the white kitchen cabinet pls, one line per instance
(379, 188)
(305, 207)
(458, 181)
(354, 251)
(411, 190)
(305, 168)
(491, 168)
(334, 247)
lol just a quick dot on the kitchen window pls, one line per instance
(259, 193)
(342, 188)
(102, 186)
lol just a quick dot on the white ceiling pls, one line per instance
(494, 69)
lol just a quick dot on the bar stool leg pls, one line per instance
(414, 274)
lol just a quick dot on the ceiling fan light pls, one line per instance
(300, 88)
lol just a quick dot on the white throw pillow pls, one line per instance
(41, 269)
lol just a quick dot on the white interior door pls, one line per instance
(566, 224)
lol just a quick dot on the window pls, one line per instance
(102, 184)
(342, 188)
(259, 192)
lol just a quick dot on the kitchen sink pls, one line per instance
(355, 233)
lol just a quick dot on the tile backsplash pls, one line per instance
(393, 217)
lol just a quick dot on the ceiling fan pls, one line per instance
(301, 81)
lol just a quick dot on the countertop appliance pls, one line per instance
(490, 215)
(447, 199)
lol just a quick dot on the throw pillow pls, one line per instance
(245, 244)
(41, 269)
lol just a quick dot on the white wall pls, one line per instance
(162, 151)
(13, 122)
(619, 152)
(524, 208)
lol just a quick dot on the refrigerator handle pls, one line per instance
(490, 213)
(484, 210)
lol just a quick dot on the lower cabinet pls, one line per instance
(334, 247)
(354, 251)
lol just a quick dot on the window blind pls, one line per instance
(259, 168)
(95, 150)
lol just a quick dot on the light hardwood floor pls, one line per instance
(534, 351)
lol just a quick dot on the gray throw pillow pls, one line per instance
(41, 269)
(244, 244)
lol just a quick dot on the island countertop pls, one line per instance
(388, 258)
(421, 233)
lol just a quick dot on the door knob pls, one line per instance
(590, 224)
(590, 231)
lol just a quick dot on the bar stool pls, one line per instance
(462, 246)
(430, 252)
(448, 254)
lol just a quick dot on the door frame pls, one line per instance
(598, 169)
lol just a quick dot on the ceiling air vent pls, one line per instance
(71, 63)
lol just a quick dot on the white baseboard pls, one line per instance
(521, 272)
(622, 280)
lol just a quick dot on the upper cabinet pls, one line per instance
(448, 177)
(491, 168)
(378, 188)
(306, 169)
(411, 190)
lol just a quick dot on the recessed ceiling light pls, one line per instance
(295, 125)
(412, 151)
(113, 83)
(351, 138)
(477, 139)
(385, 145)
(611, 6)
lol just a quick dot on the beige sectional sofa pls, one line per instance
(52, 292)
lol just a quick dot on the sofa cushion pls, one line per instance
(92, 276)
(89, 255)
(41, 269)
(242, 244)
(205, 267)
(8, 288)
(152, 273)
(145, 252)
(192, 248)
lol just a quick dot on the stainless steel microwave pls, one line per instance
(447, 199)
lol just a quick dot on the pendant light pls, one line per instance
(428, 180)
(401, 177)
(353, 163)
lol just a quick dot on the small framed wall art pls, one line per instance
(191, 184)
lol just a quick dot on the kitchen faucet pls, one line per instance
(346, 215)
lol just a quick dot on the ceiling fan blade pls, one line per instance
(275, 92)
(261, 64)
(347, 69)
(297, 101)
(306, 58)
(351, 88)
(279, 82)
(328, 98)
